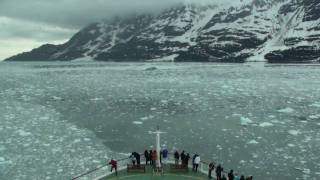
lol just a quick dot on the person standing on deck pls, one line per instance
(114, 165)
(154, 157)
(197, 162)
(219, 170)
(165, 155)
(176, 157)
(151, 157)
(242, 177)
(211, 167)
(183, 157)
(186, 162)
(133, 159)
(137, 156)
(230, 175)
(146, 156)
(193, 165)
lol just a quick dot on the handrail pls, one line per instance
(93, 170)
(119, 160)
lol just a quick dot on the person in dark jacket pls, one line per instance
(183, 157)
(249, 178)
(230, 175)
(151, 157)
(146, 156)
(211, 167)
(193, 164)
(219, 171)
(242, 177)
(186, 159)
(165, 155)
(137, 156)
(176, 157)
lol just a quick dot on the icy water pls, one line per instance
(60, 119)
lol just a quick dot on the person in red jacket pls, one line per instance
(114, 165)
(154, 158)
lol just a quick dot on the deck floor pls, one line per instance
(150, 176)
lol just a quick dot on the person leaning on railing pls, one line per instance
(114, 165)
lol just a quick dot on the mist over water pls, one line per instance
(60, 119)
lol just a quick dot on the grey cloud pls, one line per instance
(77, 13)
(18, 29)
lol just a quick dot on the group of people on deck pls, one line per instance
(221, 176)
(183, 156)
(151, 157)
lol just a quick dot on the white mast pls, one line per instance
(158, 149)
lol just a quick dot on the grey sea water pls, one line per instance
(60, 119)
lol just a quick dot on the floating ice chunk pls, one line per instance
(96, 99)
(60, 170)
(254, 155)
(137, 122)
(56, 98)
(253, 142)
(2, 159)
(236, 115)
(316, 104)
(317, 116)
(44, 118)
(23, 133)
(86, 139)
(272, 116)
(265, 124)
(164, 101)
(306, 171)
(96, 161)
(153, 109)
(144, 118)
(294, 132)
(286, 110)
(225, 87)
(245, 121)
(291, 145)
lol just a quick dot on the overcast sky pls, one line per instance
(26, 24)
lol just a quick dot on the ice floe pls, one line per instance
(253, 142)
(294, 132)
(265, 124)
(23, 133)
(244, 121)
(316, 104)
(286, 110)
(137, 122)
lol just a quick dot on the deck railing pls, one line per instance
(104, 170)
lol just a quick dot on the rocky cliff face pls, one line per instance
(244, 30)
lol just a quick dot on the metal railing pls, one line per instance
(104, 170)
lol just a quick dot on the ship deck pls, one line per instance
(168, 175)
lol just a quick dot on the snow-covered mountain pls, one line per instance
(224, 31)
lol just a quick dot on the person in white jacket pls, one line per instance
(197, 162)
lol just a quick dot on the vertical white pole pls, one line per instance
(158, 148)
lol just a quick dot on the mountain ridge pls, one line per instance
(277, 31)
